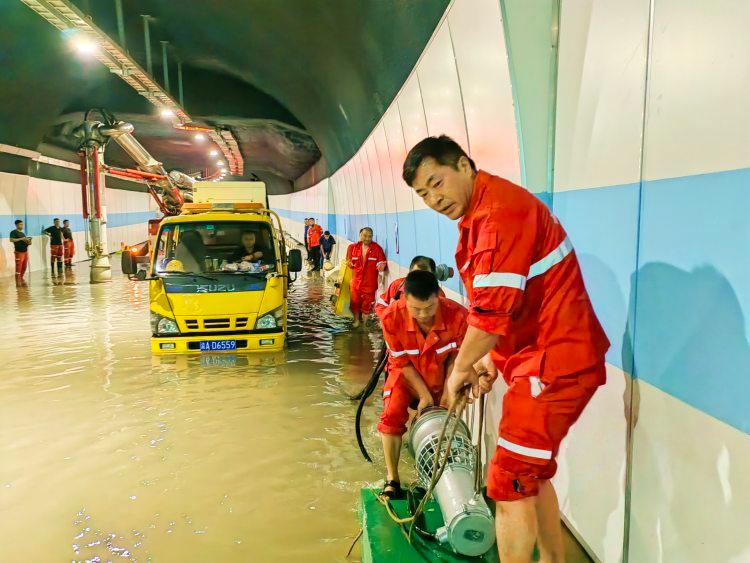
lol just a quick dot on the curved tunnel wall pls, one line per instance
(651, 175)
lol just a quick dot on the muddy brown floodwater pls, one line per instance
(108, 453)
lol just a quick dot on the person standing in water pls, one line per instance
(68, 244)
(367, 259)
(531, 320)
(314, 232)
(20, 250)
(56, 251)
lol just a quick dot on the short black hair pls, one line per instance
(421, 284)
(55, 219)
(18, 221)
(423, 261)
(443, 149)
(326, 232)
(66, 220)
(367, 229)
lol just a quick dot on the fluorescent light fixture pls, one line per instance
(166, 113)
(84, 46)
(200, 137)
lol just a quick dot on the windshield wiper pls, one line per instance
(194, 274)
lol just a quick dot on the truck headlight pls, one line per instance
(270, 320)
(163, 325)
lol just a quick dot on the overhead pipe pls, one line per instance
(84, 185)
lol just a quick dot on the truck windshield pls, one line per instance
(216, 247)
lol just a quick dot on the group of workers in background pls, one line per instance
(318, 243)
(528, 319)
(61, 248)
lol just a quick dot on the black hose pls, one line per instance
(364, 395)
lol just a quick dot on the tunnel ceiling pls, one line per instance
(294, 80)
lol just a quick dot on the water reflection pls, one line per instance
(108, 452)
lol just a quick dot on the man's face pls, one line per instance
(20, 226)
(66, 223)
(422, 311)
(365, 237)
(248, 240)
(443, 188)
(57, 222)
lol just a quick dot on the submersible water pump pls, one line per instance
(469, 527)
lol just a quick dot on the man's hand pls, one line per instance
(460, 381)
(425, 401)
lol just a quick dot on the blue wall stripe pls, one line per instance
(34, 224)
(693, 277)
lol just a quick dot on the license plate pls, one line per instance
(218, 360)
(217, 345)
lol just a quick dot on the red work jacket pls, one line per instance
(365, 268)
(427, 354)
(389, 295)
(313, 235)
(524, 283)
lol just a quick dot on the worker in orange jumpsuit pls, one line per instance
(366, 259)
(423, 332)
(530, 319)
(314, 232)
(395, 289)
(68, 244)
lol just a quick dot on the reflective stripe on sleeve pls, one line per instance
(386, 393)
(379, 301)
(500, 279)
(554, 257)
(396, 354)
(449, 346)
(523, 450)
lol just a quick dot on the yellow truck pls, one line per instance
(219, 274)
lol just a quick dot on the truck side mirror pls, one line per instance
(295, 260)
(128, 263)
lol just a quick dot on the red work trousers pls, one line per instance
(361, 300)
(69, 249)
(22, 262)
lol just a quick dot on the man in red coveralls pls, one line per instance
(68, 244)
(423, 332)
(395, 290)
(314, 232)
(366, 258)
(530, 318)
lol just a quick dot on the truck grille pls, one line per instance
(218, 323)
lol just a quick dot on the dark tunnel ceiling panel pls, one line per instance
(288, 77)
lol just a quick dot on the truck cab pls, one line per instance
(219, 274)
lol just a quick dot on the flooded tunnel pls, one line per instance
(210, 216)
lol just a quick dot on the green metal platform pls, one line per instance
(384, 542)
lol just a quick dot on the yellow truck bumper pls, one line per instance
(269, 342)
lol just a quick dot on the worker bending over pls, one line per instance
(395, 290)
(423, 332)
(366, 259)
(530, 318)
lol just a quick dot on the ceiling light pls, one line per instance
(166, 113)
(200, 137)
(213, 152)
(221, 163)
(83, 45)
